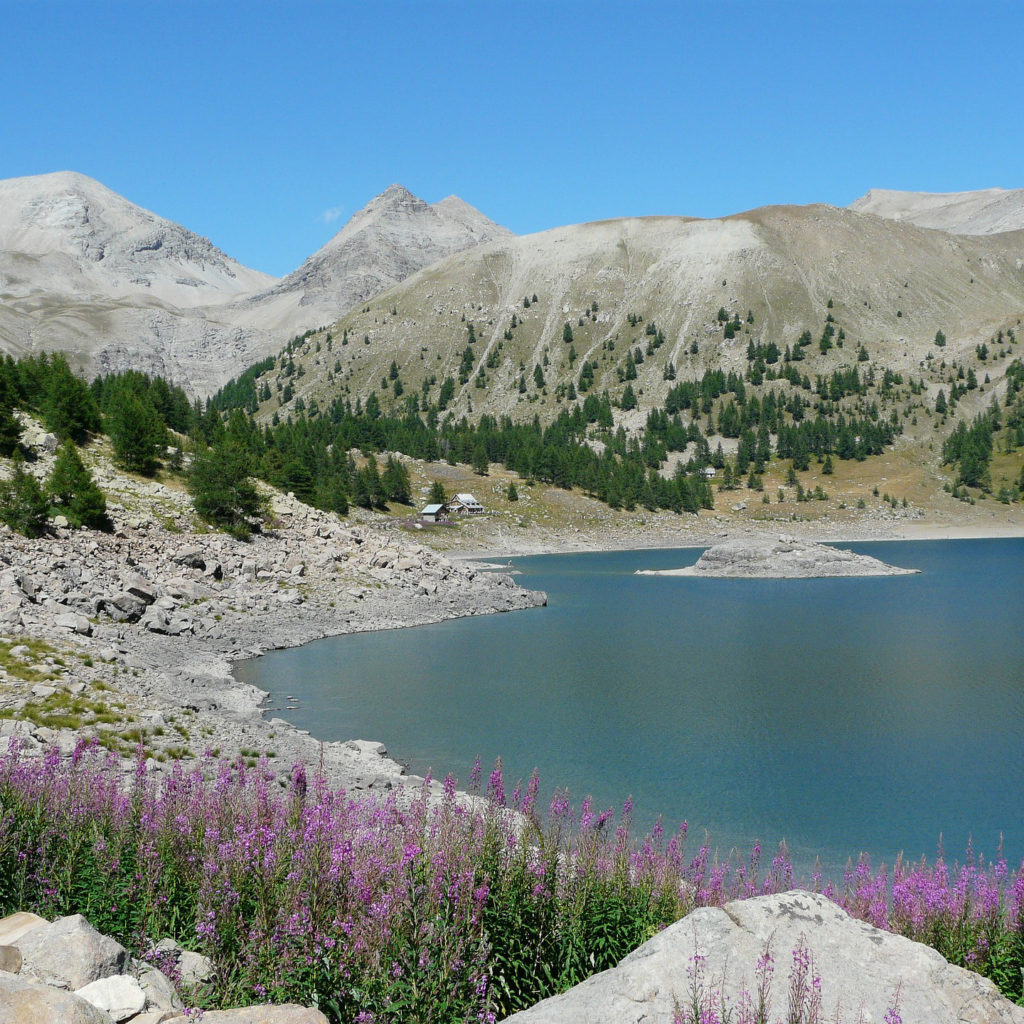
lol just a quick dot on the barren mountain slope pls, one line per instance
(892, 286)
(88, 240)
(984, 212)
(391, 237)
(85, 271)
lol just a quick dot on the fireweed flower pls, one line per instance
(496, 785)
(316, 898)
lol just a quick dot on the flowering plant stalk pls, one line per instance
(448, 909)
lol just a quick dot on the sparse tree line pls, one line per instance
(138, 414)
(151, 424)
(971, 446)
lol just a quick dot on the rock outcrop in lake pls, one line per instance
(862, 970)
(780, 558)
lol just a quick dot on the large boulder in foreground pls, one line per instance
(70, 953)
(779, 558)
(860, 969)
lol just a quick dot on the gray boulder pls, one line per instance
(22, 1002)
(138, 586)
(123, 607)
(120, 995)
(156, 621)
(860, 967)
(160, 993)
(192, 558)
(70, 953)
(194, 968)
(73, 621)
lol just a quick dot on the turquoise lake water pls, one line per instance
(842, 715)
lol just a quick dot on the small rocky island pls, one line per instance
(779, 558)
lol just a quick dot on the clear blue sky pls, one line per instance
(266, 125)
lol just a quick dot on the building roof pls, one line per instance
(466, 499)
(429, 510)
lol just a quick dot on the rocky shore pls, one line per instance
(782, 557)
(129, 637)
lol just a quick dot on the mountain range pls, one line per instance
(520, 324)
(85, 271)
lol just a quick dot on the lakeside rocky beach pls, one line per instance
(130, 636)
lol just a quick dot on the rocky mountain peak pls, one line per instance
(394, 200)
(113, 245)
(86, 271)
(391, 237)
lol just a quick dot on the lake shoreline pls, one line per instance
(706, 538)
(693, 631)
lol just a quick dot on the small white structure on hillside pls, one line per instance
(465, 504)
(708, 472)
(434, 514)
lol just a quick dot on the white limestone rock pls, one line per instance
(860, 967)
(120, 995)
(23, 1002)
(288, 1013)
(14, 926)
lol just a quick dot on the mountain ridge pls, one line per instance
(891, 286)
(83, 269)
(981, 212)
(86, 271)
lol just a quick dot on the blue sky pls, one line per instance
(266, 125)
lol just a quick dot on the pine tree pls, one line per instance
(437, 495)
(74, 492)
(513, 494)
(332, 492)
(369, 490)
(23, 505)
(68, 406)
(10, 428)
(396, 481)
(479, 459)
(136, 432)
(221, 489)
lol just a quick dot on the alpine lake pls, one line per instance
(879, 715)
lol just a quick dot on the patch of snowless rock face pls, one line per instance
(85, 271)
(390, 238)
(985, 212)
(861, 970)
(781, 558)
